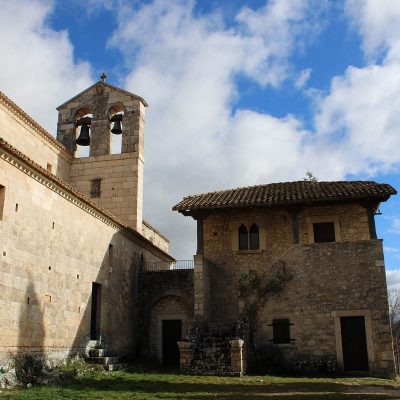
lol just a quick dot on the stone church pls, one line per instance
(72, 234)
(82, 273)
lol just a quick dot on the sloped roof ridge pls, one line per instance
(16, 109)
(268, 184)
(105, 84)
(150, 226)
(72, 190)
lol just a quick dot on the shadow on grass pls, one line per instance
(192, 388)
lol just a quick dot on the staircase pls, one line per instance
(97, 355)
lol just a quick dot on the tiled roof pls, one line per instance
(286, 194)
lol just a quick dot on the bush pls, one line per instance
(29, 369)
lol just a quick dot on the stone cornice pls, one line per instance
(20, 161)
(22, 115)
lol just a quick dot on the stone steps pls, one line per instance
(103, 360)
(97, 356)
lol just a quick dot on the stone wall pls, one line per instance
(221, 245)
(119, 189)
(164, 294)
(331, 280)
(54, 244)
(345, 278)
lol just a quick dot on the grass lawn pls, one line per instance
(145, 383)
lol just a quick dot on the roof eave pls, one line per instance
(192, 211)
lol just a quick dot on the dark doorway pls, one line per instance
(95, 312)
(171, 334)
(354, 344)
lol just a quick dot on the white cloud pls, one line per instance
(186, 66)
(388, 249)
(38, 70)
(378, 24)
(361, 112)
(393, 279)
(359, 116)
(304, 76)
(395, 225)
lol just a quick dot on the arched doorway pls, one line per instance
(170, 320)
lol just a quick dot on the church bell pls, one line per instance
(84, 138)
(117, 128)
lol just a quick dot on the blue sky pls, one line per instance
(240, 92)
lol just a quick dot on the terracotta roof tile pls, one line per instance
(288, 193)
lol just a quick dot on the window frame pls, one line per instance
(318, 219)
(245, 240)
(234, 226)
(319, 233)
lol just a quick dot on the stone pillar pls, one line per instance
(200, 240)
(294, 213)
(238, 363)
(371, 222)
(185, 352)
(201, 286)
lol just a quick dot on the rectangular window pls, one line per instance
(49, 168)
(2, 197)
(281, 331)
(324, 232)
(95, 188)
(110, 256)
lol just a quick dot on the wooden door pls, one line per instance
(95, 312)
(354, 344)
(171, 334)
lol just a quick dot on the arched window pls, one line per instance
(243, 238)
(115, 117)
(83, 118)
(254, 237)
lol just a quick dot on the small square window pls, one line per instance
(324, 232)
(95, 188)
(281, 331)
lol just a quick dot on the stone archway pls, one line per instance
(163, 312)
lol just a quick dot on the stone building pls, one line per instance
(80, 267)
(334, 309)
(72, 234)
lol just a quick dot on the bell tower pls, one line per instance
(92, 120)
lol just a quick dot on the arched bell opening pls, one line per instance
(115, 117)
(83, 120)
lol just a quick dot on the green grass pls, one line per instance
(145, 383)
